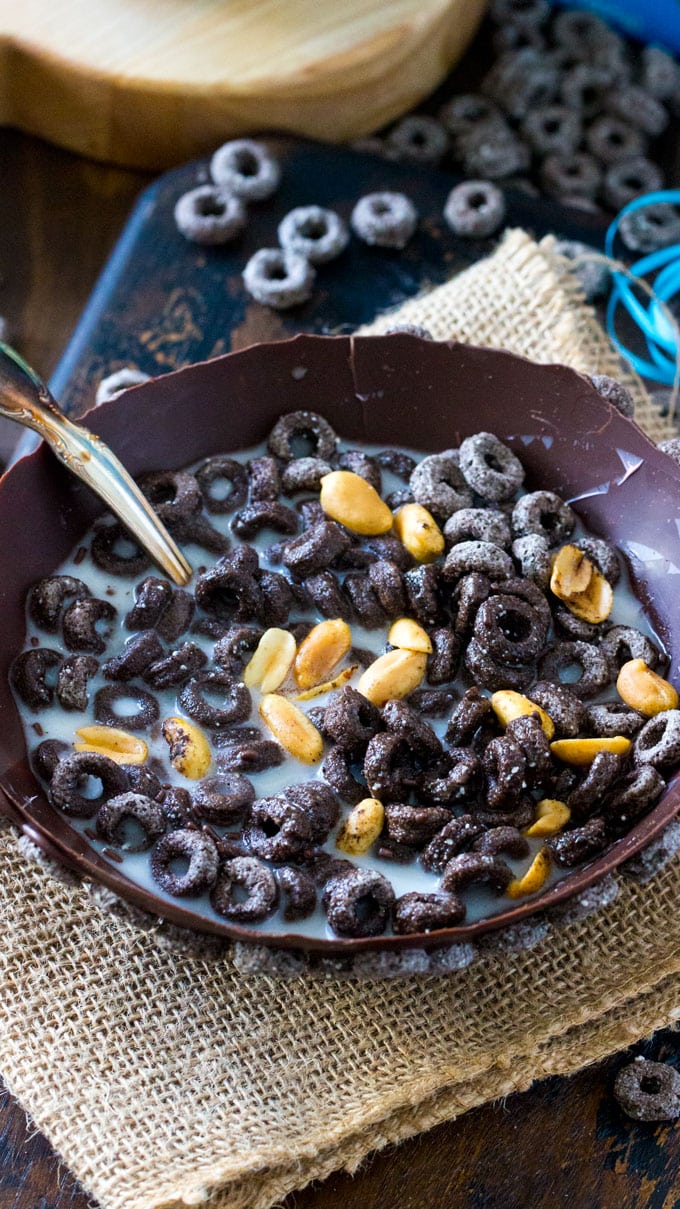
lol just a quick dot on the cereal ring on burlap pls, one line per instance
(236, 697)
(246, 169)
(400, 719)
(358, 903)
(278, 830)
(387, 582)
(648, 1091)
(509, 630)
(72, 681)
(47, 598)
(489, 467)
(229, 590)
(384, 220)
(472, 711)
(478, 524)
(499, 840)
(493, 675)
(29, 674)
(146, 711)
(259, 891)
(438, 484)
(456, 837)
(152, 597)
(314, 232)
(504, 764)
(628, 179)
(457, 777)
(198, 849)
(422, 912)
(298, 426)
(113, 815)
(279, 278)
(71, 776)
(475, 209)
(316, 549)
(47, 755)
(622, 643)
(580, 844)
(209, 215)
(304, 474)
(326, 596)
(128, 559)
(564, 707)
(413, 825)
(298, 892)
(603, 774)
(609, 718)
(388, 771)
(223, 799)
(398, 463)
(80, 623)
(658, 743)
(473, 869)
(213, 474)
(545, 514)
(595, 672)
(442, 664)
(137, 654)
(423, 590)
(534, 558)
(336, 770)
(480, 557)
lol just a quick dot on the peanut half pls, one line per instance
(189, 749)
(361, 828)
(406, 634)
(535, 877)
(507, 705)
(292, 728)
(271, 661)
(582, 588)
(419, 532)
(583, 751)
(328, 685)
(551, 816)
(320, 651)
(118, 745)
(643, 690)
(392, 676)
(350, 500)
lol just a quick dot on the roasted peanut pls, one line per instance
(118, 745)
(419, 532)
(189, 749)
(271, 661)
(291, 728)
(583, 751)
(350, 500)
(320, 651)
(551, 817)
(643, 690)
(406, 634)
(536, 876)
(361, 828)
(508, 704)
(392, 676)
(328, 685)
(571, 569)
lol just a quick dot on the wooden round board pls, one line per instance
(151, 84)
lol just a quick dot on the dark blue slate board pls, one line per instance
(162, 303)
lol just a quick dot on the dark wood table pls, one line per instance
(563, 1143)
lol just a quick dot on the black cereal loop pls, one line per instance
(70, 775)
(79, 625)
(29, 675)
(245, 168)
(278, 830)
(233, 695)
(302, 425)
(72, 681)
(358, 903)
(209, 215)
(222, 469)
(198, 849)
(298, 892)
(473, 869)
(426, 912)
(658, 743)
(438, 484)
(317, 233)
(279, 278)
(223, 799)
(113, 814)
(146, 709)
(131, 561)
(384, 220)
(255, 880)
(648, 1091)
(490, 467)
(595, 672)
(545, 514)
(47, 599)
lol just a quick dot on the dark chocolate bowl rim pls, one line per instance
(376, 388)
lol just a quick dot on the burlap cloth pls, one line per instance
(167, 1080)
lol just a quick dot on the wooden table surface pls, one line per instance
(563, 1143)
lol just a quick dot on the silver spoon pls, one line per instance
(25, 398)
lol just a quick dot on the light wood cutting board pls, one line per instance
(150, 83)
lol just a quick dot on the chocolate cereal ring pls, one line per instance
(626, 180)
(319, 805)
(142, 779)
(504, 765)
(480, 557)
(72, 681)
(314, 232)
(136, 655)
(175, 668)
(264, 514)
(304, 474)
(210, 215)
(648, 1091)
(418, 139)
(493, 675)
(302, 426)
(365, 603)
(469, 592)
(457, 777)
(279, 277)
(534, 558)
(146, 712)
(316, 549)
(384, 220)
(473, 869)
(223, 483)
(176, 806)
(590, 795)
(603, 555)
(610, 718)
(234, 700)
(387, 581)
(113, 815)
(337, 771)
(176, 617)
(507, 840)
(610, 139)
(580, 844)
(47, 755)
(229, 590)
(398, 463)
(298, 892)
(29, 676)
(47, 598)
(194, 846)
(478, 524)
(400, 719)
(552, 130)
(591, 663)
(622, 643)
(351, 720)
(223, 799)
(438, 484)
(442, 664)
(658, 743)
(80, 622)
(424, 595)
(421, 912)
(115, 551)
(250, 755)
(152, 597)
(616, 394)
(489, 467)
(71, 777)
(414, 825)
(545, 514)
(509, 630)
(475, 209)
(530, 737)
(326, 596)
(637, 791)
(651, 228)
(278, 830)
(456, 837)
(472, 712)
(259, 891)
(570, 176)
(563, 706)
(387, 769)
(245, 169)
(359, 903)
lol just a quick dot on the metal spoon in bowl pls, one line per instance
(25, 398)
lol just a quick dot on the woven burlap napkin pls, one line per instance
(167, 1080)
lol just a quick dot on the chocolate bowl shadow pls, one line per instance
(390, 390)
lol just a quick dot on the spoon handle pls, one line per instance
(25, 398)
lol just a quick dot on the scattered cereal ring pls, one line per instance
(480, 557)
(609, 718)
(580, 844)
(478, 524)
(279, 830)
(146, 710)
(210, 215)
(234, 697)
(114, 550)
(456, 837)
(246, 169)
(575, 175)
(314, 232)
(279, 277)
(590, 661)
(194, 846)
(648, 1091)
(475, 209)
(610, 140)
(304, 474)
(384, 220)
(552, 130)
(303, 426)
(418, 139)
(650, 228)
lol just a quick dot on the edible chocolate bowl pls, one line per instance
(390, 390)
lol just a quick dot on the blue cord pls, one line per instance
(661, 338)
